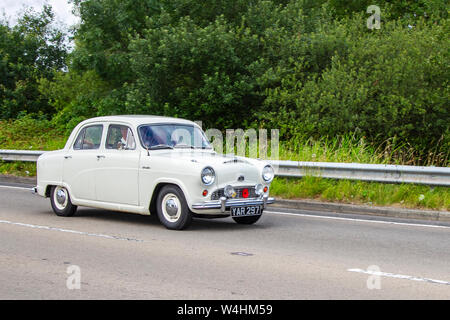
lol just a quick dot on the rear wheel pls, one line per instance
(172, 208)
(60, 201)
(246, 220)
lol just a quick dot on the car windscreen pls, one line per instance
(154, 136)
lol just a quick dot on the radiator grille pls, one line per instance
(251, 193)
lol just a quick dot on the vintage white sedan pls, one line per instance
(150, 164)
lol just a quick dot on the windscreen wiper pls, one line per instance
(184, 146)
(160, 146)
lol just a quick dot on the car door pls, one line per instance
(118, 170)
(81, 161)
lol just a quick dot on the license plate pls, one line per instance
(246, 211)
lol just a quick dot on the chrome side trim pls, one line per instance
(224, 204)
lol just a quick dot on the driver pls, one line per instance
(153, 136)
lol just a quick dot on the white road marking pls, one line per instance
(359, 220)
(99, 235)
(17, 188)
(399, 276)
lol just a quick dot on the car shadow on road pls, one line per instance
(152, 220)
(116, 216)
(223, 224)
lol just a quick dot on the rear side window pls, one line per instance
(89, 138)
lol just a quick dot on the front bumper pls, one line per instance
(225, 204)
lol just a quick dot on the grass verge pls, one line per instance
(27, 133)
(18, 168)
(360, 192)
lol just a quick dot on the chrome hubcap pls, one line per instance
(171, 207)
(61, 196)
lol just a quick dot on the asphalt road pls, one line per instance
(287, 255)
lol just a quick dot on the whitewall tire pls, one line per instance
(172, 208)
(61, 203)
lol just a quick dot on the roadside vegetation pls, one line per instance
(28, 133)
(336, 90)
(359, 192)
(31, 134)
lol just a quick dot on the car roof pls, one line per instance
(138, 120)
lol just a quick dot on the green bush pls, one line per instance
(388, 83)
(310, 68)
(220, 72)
(30, 133)
(75, 96)
(30, 50)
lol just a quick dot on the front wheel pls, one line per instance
(246, 220)
(60, 201)
(172, 208)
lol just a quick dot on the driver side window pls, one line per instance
(120, 138)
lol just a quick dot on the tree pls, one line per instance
(31, 50)
(104, 34)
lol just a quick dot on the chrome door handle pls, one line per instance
(67, 157)
(100, 157)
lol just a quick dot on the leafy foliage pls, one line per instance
(406, 10)
(29, 51)
(102, 37)
(197, 72)
(390, 84)
(309, 67)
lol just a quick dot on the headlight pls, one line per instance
(208, 175)
(268, 173)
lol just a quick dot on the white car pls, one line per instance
(148, 164)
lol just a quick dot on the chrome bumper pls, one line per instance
(224, 204)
